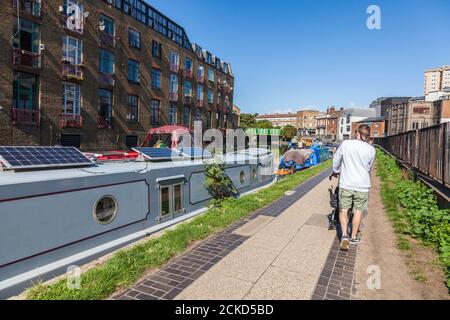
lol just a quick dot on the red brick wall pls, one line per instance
(52, 32)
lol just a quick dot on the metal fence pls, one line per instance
(427, 150)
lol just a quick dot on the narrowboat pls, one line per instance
(56, 213)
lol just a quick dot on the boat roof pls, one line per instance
(107, 168)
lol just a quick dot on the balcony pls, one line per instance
(72, 23)
(103, 122)
(173, 96)
(28, 117)
(30, 7)
(71, 121)
(72, 71)
(26, 59)
(106, 79)
(107, 39)
(188, 99)
(175, 68)
(187, 73)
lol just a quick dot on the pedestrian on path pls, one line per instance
(352, 162)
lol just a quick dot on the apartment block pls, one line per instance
(98, 74)
(437, 79)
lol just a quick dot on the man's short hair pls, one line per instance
(364, 131)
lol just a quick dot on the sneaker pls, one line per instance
(345, 244)
(355, 241)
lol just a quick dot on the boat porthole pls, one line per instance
(242, 177)
(105, 210)
(254, 174)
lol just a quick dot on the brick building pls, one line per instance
(327, 124)
(412, 115)
(306, 121)
(100, 73)
(376, 124)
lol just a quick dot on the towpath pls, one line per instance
(285, 251)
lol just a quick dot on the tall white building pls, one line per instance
(350, 116)
(437, 79)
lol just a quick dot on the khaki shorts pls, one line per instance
(356, 199)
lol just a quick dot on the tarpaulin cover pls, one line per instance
(175, 131)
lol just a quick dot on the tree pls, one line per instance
(248, 120)
(288, 132)
(263, 124)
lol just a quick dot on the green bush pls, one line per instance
(425, 221)
(217, 182)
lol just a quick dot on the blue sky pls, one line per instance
(289, 55)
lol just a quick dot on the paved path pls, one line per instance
(284, 251)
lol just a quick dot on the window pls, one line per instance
(187, 116)
(108, 25)
(156, 49)
(200, 73)
(219, 97)
(242, 177)
(72, 50)
(154, 111)
(225, 120)
(171, 198)
(188, 64)
(27, 36)
(132, 108)
(156, 78)
(105, 104)
(165, 201)
(173, 83)
(173, 113)
(211, 75)
(133, 71)
(71, 98)
(134, 38)
(105, 210)
(210, 96)
(106, 61)
(198, 114)
(199, 92)
(187, 88)
(25, 90)
(348, 128)
(174, 60)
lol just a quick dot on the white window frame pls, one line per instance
(175, 58)
(173, 83)
(78, 49)
(171, 200)
(76, 98)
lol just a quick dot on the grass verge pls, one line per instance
(413, 210)
(126, 266)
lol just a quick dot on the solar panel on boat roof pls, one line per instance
(195, 153)
(158, 153)
(42, 157)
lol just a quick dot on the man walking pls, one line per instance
(353, 161)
